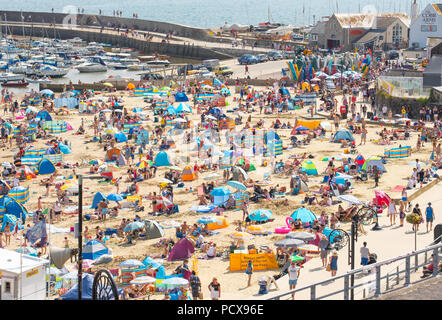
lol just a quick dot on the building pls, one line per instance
(22, 277)
(379, 30)
(427, 25)
(316, 34)
(437, 93)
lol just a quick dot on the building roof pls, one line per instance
(438, 8)
(368, 20)
(11, 262)
(318, 28)
(369, 37)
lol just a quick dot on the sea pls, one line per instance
(215, 13)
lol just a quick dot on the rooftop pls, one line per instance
(438, 8)
(368, 20)
(10, 261)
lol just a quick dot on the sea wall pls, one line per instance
(184, 50)
(100, 20)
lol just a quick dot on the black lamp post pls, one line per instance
(80, 236)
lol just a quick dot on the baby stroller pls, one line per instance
(373, 258)
(294, 141)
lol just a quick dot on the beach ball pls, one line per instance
(345, 151)
(301, 191)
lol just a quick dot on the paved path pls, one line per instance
(386, 243)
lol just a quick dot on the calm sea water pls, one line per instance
(214, 13)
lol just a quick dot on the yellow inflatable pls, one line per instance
(218, 225)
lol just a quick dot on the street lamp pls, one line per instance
(80, 235)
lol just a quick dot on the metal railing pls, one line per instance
(372, 283)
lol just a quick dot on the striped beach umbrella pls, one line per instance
(240, 235)
(143, 280)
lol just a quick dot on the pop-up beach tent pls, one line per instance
(162, 159)
(94, 249)
(183, 249)
(342, 134)
(45, 166)
(304, 214)
(374, 162)
(10, 206)
(188, 174)
(309, 168)
(181, 97)
(115, 155)
(153, 229)
(97, 199)
(220, 195)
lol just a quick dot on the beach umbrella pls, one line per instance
(134, 226)
(180, 120)
(211, 118)
(297, 258)
(175, 282)
(131, 263)
(170, 224)
(31, 109)
(69, 187)
(382, 198)
(28, 250)
(309, 248)
(212, 176)
(6, 165)
(237, 185)
(107, 84)
(108, 167)
(174, 168)
(208, 219)
(240, 235)
(260, 215)
(304, 214)
(142, 164)
(289, 243)
(93, 162)
(114, 197)
(350, 199)
(164, 180)
(47, 92)
(301, 235)
(106, 110)
(143, 280)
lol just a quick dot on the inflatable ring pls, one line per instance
(282, 230)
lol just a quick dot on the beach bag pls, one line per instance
(201, 297)
(328, 268)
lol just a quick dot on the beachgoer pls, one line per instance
(293, 272)
(215, 289)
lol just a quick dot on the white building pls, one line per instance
(427, 25)
(22, 277)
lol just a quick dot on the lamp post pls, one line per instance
(80, 235)
(352, 250)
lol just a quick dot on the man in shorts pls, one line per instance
(293, 272)
(429, 215)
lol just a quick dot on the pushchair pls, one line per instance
(294, 141)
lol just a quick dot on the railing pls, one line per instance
(370, 278)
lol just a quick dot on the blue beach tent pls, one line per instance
(304, 214)
(45, 166)
(94, 249)
(97, 199)
(162, 159)
(181, 97)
